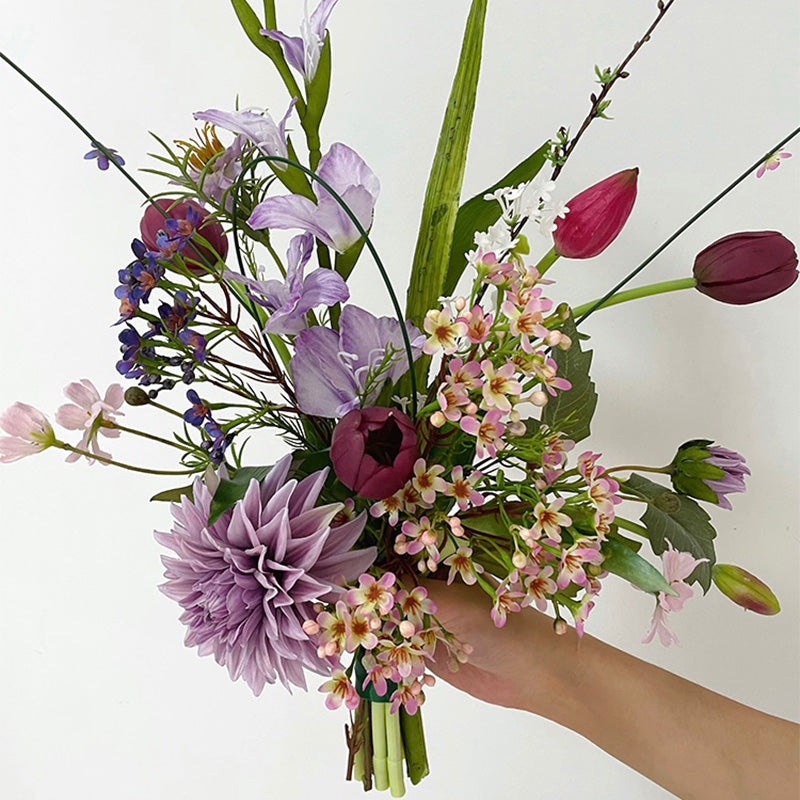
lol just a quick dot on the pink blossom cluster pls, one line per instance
(392, 631)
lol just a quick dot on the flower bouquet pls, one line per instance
(441, 443)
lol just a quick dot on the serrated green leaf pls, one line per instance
(478, 214)
(172, 495)
(687, 527)
(443, 194)
(621, 560)
(230, 491)
(571, 411)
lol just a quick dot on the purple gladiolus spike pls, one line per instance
(303, 52)
(290, 300)
(331, 369)
(348, 175)
(260, 129)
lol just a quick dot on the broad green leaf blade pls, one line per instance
(571, 411)
(229, 492)
(316, 100)
(679, 520)
(443, 194)
(478, 214)
(622, 561)
(172, 495)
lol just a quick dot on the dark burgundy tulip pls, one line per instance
(195, 256)
(596, 216)
(746, 267)
(373, 451)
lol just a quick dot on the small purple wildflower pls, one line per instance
(102, 156)
(134, 348)
(218, 442)
(196, 415)
(175, 317)
(196, 341)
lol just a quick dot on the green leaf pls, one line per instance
(443, 194)
(317, 99)
(347, 260)
(571, 411)
(478, 214)
(679, 520)
(622, 561)
(489, 521)
(172, 495)
(229, 492)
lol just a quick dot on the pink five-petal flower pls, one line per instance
(462, 489)
(415, 604)
(410, 697)
(583, 551)
(426, 480)
(443, 333)
(87, 412)
(505, 603)
(451, 398)
(772, 162)
(373, 594)
(550, 520)
(499, 384)
(461, 563)
(478, 324)
(540, 586)
(463, 374)
(340, 690)
(488, 432)
(29, 432)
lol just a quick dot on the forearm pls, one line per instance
(691, 741)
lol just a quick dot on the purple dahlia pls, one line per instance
(248, 582)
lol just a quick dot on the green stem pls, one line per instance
(104, 460)
(633, 527)
(687, 224)
(379, 746)
(144, 435)
(636, 468)
(635, 294)
(547, 261)
(414, 745)
(394, 747)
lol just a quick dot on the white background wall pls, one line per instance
(98, 696)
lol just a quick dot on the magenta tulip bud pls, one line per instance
(373, 451)
(596, 216)
(197, 257)
(746, 267)
(745, 589)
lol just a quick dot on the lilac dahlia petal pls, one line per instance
(249, 581)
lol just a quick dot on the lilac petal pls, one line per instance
(276, 477)
(292, 46)
(323, 287)
(343, 537)
(342, 168)
(319, 19)
(260, 129)
(321, 383)
(286, 213)
(300, 249)
(307, 492)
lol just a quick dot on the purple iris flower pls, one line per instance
(102, 157)
(303, 52)
(330, 368)
(260, 129)
(348, 175)
(289, 301)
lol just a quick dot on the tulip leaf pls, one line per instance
(621, 560)
(231, 490)
(172, 495)
(478, 214)
(443, 194)
(678, 520)
(571, 411)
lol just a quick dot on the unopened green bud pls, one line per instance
(745, 589)
(134, 396)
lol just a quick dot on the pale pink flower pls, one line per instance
(505, 603)
(499, 384)
(772, 162)
(461, 563)
(373, 594)
(423, 536)
(588, 466)
(478, 325)
(30, 432)
(333, 630)
(88, 412)
(464, 374)
(376, 674)
(451, 398)
(540, 586)
(340, 690)
(404, 658)
(410, 697)
(488, 431)
(603, 493)
(462, 490)
(525, 322)
(583, 551)
(391, 505)
(550, 520)
(677, 567)
(415, 604)
(545, 371)
(426, 480)
(443, 332)
(360, 632)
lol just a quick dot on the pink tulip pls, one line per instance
(746, 267)
(596, 216)
(373, 451)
